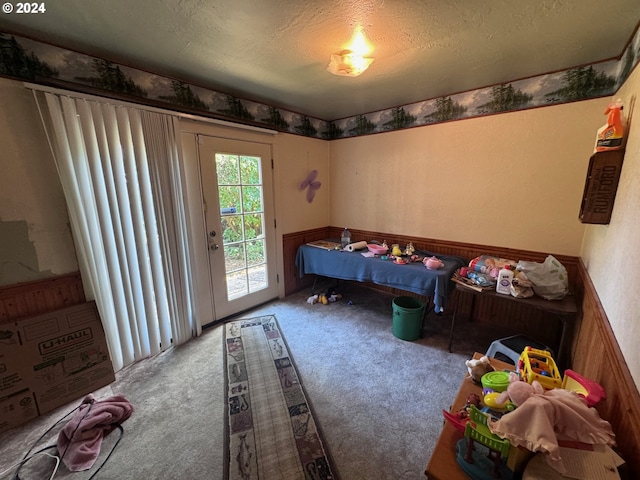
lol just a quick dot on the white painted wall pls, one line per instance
(29, 188)
(512, 180)
(612, 252)
(295, 157)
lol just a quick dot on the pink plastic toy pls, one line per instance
(591, 391)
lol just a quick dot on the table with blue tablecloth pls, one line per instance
(412, 277)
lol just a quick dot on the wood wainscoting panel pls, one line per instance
(40, 296)
(597, 356)
(290, 243)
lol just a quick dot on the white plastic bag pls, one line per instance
(550, 279)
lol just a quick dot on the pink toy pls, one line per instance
(377, 249)
(432, 263)
(590, 391)
(518, 391)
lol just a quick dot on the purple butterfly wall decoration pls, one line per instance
(311, 184)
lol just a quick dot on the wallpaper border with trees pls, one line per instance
(30, 60)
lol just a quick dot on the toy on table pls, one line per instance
(535, 364)
(538, 365)
(409, 249)
(592, 392)
(472, 460)
(377, 249)
(478, 367)
(493, 384)
(460, 418)
(433, 263)
(519, 391)
(494, 407)
(502, 459)
(497, 381)
(542, 420)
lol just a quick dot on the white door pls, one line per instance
(238, 193)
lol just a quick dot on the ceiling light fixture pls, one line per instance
(352, 61)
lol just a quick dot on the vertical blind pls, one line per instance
(123, 182)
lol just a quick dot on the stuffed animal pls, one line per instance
(519, 391)
(477, 368)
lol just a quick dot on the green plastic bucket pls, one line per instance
(407, 318)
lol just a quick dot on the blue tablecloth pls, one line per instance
(412, 277)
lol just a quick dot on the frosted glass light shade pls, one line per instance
(348, 64)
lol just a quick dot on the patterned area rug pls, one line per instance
(272, 432)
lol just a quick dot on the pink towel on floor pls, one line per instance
(80, 439)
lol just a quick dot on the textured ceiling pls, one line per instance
(276, 51)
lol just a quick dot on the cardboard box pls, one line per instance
(50, 360)
(17, 403)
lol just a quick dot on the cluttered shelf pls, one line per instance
(491, 421)
(549, 294)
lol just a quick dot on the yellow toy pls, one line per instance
(492, 403)
(538, 365)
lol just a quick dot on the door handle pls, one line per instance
(212, 244)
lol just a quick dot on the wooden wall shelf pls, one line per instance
(601, 186)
